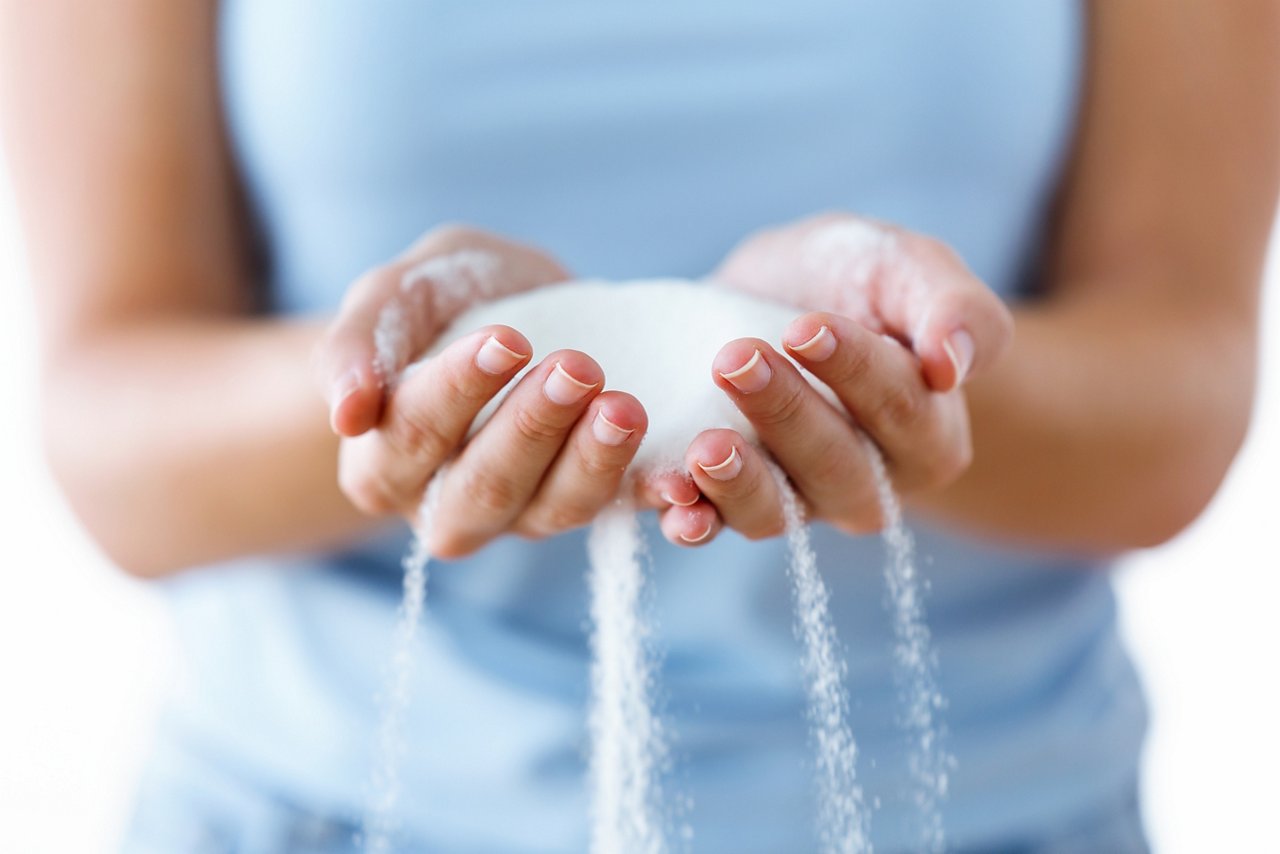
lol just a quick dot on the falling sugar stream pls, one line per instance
(379, 826)
(627, 745)
(915, 664)
(842, 816)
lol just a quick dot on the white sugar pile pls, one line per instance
(657, 340)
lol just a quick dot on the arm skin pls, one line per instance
(182, 429)
(186, 431)
(1113, 418)
(1126, 394)
(1160, 237)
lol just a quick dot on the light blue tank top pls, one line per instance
(635, 140)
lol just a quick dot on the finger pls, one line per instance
(502, 466)
(695, 525)
(386, 470)
(377, 329)
(587, 473)
(957, 326)
(393, 312)
(924, 434)
(812, 440)
(343, 361)
(920, 289)
(659, 490)
(733, 477)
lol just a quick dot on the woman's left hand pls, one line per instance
(897, 325)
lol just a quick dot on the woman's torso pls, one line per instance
(636, 140)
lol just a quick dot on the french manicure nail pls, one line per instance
(701, 536)
(726, 470)
(817, 348)
(496, 358)
(343, 387)
(563, 388)
(959, 347)
(751, 377)
(670, 499)
(608, 433)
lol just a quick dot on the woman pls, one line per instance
(213, 195)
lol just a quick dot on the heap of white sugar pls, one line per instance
(657, 340)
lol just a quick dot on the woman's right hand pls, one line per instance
(547, 461)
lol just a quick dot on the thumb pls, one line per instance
(922, 293)
(350, 371)
(389, 315)
(959, 328)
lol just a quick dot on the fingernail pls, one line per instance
(751, 377)
(608, 433)
(817, 348)
(342, 388)
(496, 358)
(959, 347)
(670, 499)
(563, 388)
(701, 536)
(726, 470)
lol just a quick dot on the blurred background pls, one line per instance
(84, 651)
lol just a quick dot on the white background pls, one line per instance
(84, 651)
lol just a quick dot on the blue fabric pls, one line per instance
(635, 140)
(192, 805)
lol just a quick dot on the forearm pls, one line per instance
(1108, 425)
(185, 441)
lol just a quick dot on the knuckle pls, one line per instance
(418, 436)
(457, 382)
(368, 492)
(854, 367)
(490, 493)
(598, 465)
(566, 516)
(534, 426)
(783, 407)
(901, 408)
(832, 468)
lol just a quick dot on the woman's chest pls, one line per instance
(640, 139)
